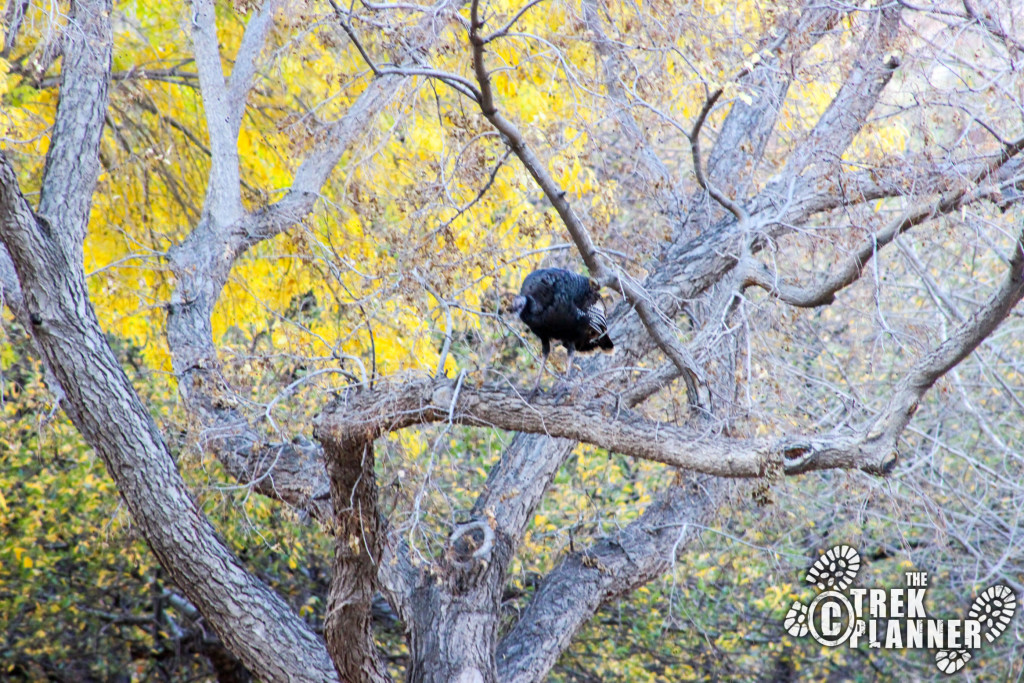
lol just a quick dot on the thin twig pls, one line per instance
(504, 29)
(347, 28)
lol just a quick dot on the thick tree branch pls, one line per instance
(694, 265)
(852, 188)
(599, 422)
(850, 269)
(849, 109)
(12, 297)
(613, 67)
(602, 423)
(224, 191)
(584, 581)
(740, 144)
(240, 83)
(10, 290)
(449, 641)
(252, 619)
(72, 161)
(291, 471)
(527, 467)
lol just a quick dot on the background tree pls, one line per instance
(807, 217)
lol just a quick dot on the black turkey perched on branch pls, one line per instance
(561, 305)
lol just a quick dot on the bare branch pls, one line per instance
(72, 161)
(955, 348)
(240, 82)
(741, 142)
(512, 22)
(315, 168)
(851, 188)
(480, 194)
(14, 15)
(598, 422)
(34, 65)
(991, 25)
(698, 166)
(455, 81)
(850, 269)
(584, 581)
(849, 109)
(831, 135)
(699, 348)
(603, 424)
(352, 36)
(173, 74)
(612, 68)
(224, 192)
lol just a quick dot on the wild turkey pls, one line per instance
(561, 305)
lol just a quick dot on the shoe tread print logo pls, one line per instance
(835, 571)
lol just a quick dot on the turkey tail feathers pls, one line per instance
(596, 320)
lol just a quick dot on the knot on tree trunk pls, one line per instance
(883, 461)
(468, 552)
(796, 454)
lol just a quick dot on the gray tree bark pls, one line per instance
(46, 250)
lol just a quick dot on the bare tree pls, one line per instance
(769, 221)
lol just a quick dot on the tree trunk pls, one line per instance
(453, 635)
(46, 251)
(348, 628)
